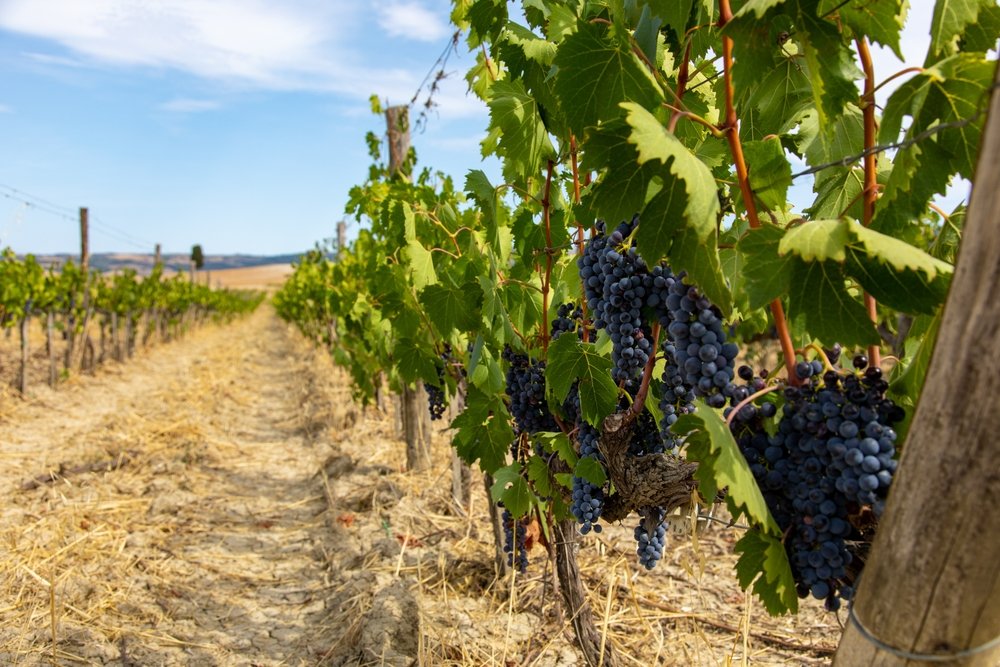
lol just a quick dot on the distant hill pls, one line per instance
(117, 261)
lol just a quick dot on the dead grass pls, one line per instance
(241, 510)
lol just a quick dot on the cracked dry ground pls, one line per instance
(202, 539)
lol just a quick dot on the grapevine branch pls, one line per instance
(743, 175)
(871, 176)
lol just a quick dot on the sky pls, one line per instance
(235, 124)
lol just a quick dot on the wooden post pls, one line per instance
(25, 332)
(397, 121)
(931, 586)
(158, 256)
(84, 240)
(341, 237)
(50, 325)
(415, 420)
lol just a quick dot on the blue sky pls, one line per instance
(236, 124)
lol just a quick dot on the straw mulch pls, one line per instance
(221, 501)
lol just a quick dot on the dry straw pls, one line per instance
(221, 501)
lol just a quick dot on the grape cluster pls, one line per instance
(569, 317)
(526, 390)
(614, 277)
(702, 356)
(831, 458)
(588, 498)
(437, 402)
(515, 545)
(650, 536)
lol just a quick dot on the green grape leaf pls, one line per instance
(952, 91)
(906, 380)
(559, 443)
(721, 465)
(881, 21)
(482, 430)
(570, 359)
(982, 35)
(948, 24)
(763, 559)
(414, 361)
(838, 192)
(486, 373)
(594, 60)
(420, 265)
(817, 240)
(770, 171)
(818, 293)
(897, 273)
(478, 185)
(766, 272)
(510, 489)
(830, 63)
(591, 470)
(625, 183)
(655, 143)
(517, 133)
(538, 473)
(450, 307)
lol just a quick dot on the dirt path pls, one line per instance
(203, 547)
(221, 501)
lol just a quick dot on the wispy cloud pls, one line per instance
(5, 109)
(187, 105)
(247, 44)
(411, 20)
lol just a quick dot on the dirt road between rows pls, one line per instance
(220, 500)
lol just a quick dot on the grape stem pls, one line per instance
(647, 374)
(871, 174)
(547, 277)
(731, 127)
(746, 401)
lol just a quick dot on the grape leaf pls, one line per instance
(721, 465)
(624, 185)
(510, 489)
(982, 35)
(559, 443)
(818, 293)
(879, 20)
(770, 171)
(538, 473)
(414, 361)
(831, 68)
(952, 91)
(763, 559)
(478, 185)
(591, 470)
(817, 240)
(948, 24)
(486, 373)
(767, 273)
(594, 60)
(482, 430)
(570, 359)
(517, 133)
(451, 307)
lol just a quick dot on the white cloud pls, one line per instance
(411, 20)
(5, 109)
(255, 44)
(187, 105)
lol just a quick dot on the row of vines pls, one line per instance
(605, 311)
(119, 311)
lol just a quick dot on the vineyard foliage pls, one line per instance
(698, 117)
(72, 297)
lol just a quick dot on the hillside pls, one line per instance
(143, 263)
